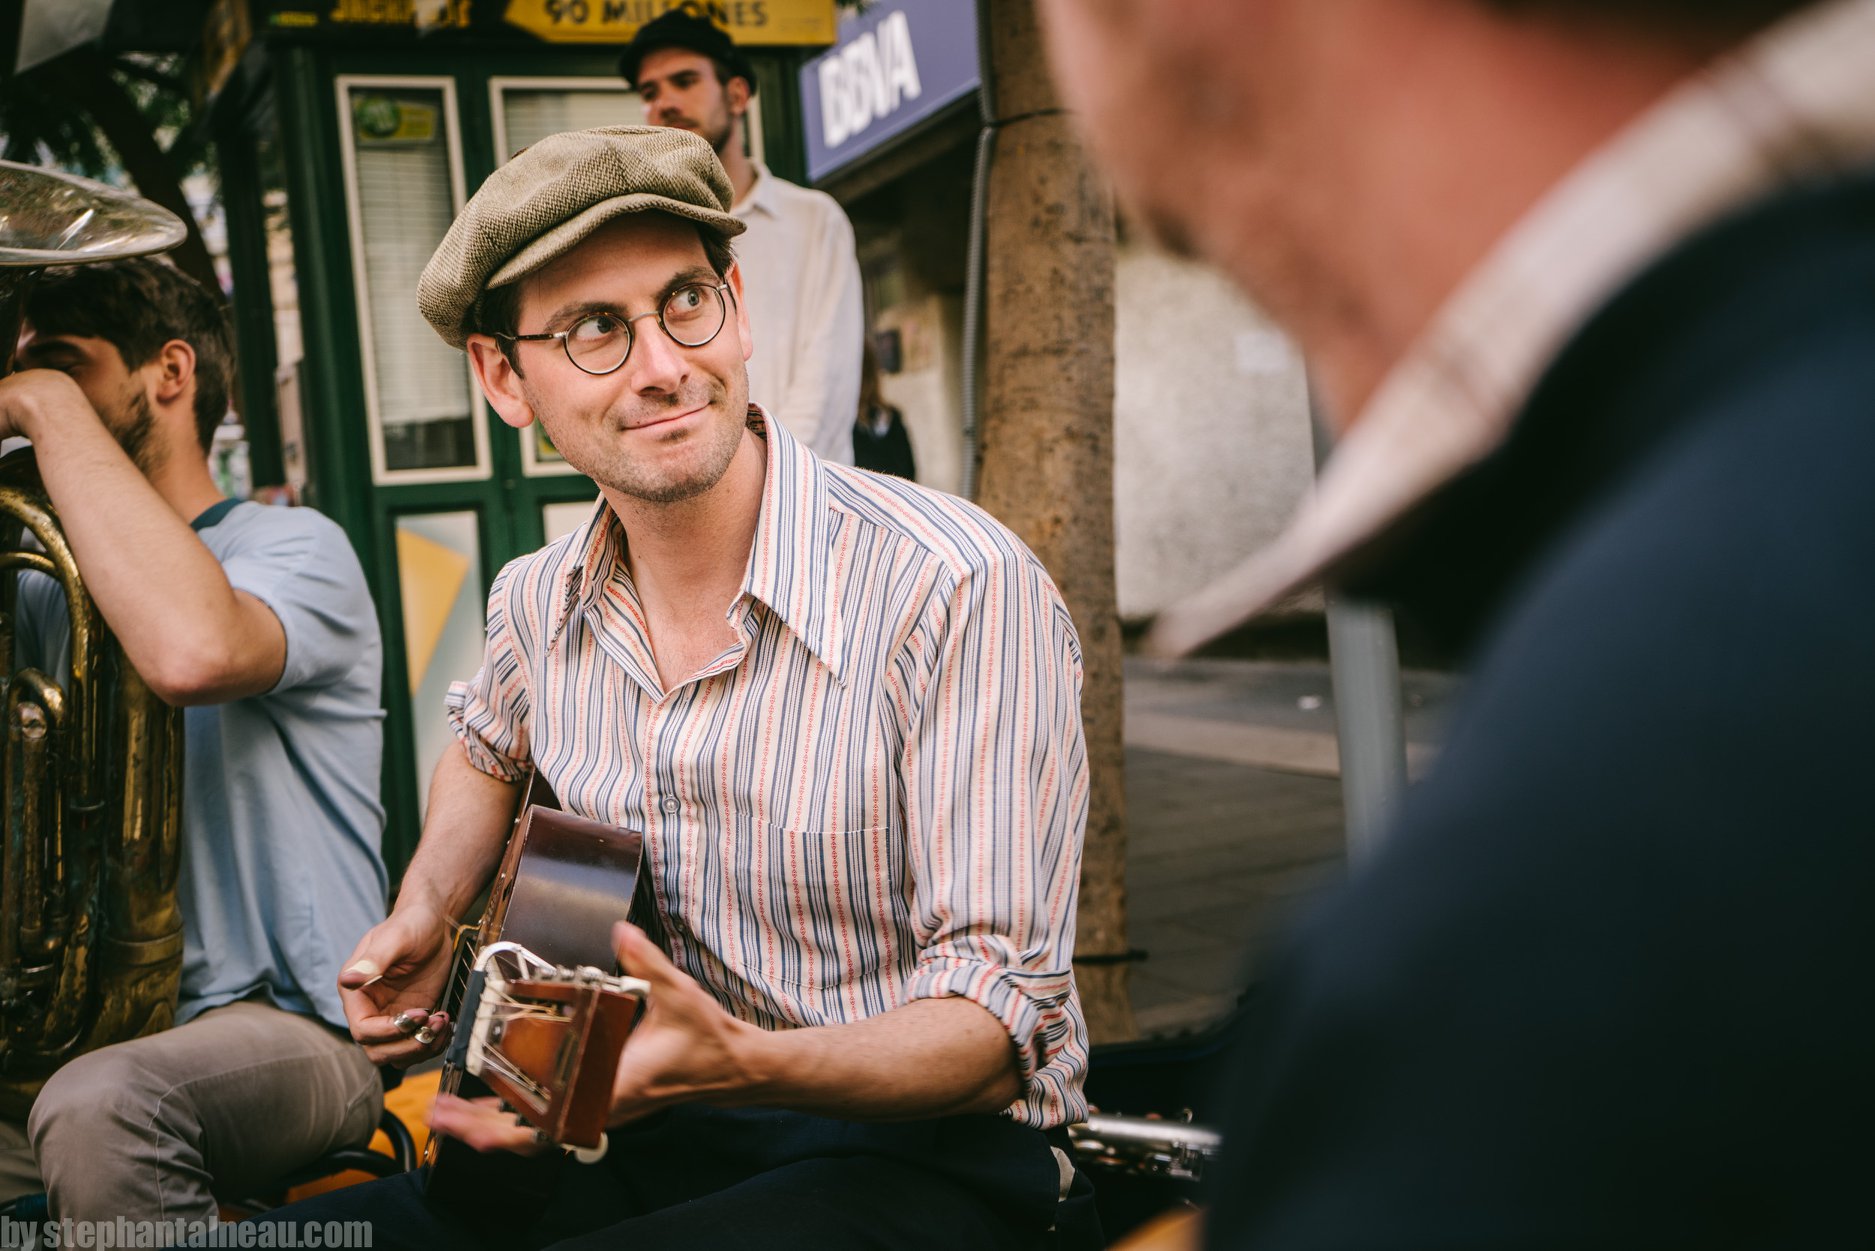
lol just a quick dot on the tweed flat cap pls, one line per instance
(549, 197)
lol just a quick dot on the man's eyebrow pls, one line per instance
(686, 278)
(50, 349)
(581, 308)
(682, 278)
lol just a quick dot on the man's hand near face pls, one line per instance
(34, 401)
(190, 634)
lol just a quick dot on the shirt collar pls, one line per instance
(790, 566)
(761, 193)
(1792, 104)
(595, 548)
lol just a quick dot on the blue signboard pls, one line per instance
(895, 66)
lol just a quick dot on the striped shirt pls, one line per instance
(1794, 104)
(876, 795)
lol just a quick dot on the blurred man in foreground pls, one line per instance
(1589, 290)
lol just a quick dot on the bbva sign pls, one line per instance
(867, 79)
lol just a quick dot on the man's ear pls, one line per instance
(174, 374)
(736, 92)
(734, 279)
(500, 381)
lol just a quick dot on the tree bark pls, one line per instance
(1046, 442)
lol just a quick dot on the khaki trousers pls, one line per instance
(155, 1128)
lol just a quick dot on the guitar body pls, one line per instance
(563, 882)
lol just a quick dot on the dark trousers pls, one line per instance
(703, 1178)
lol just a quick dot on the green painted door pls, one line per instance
(383, 146)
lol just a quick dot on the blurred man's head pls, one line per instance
(690, 75)
(143, 340)
(1157, 85)
(1347, 161)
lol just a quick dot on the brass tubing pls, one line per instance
(19, 831)
(22, 499)
(142, 906)
(37, 706)
(28, 722)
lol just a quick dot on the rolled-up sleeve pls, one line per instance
(997, 792)
(489, 712)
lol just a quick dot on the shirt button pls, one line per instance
(670, 804)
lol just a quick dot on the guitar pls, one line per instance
(540, 1017)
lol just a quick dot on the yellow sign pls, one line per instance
(384, 119)
(753, 22)
(442, 15)
(373, 12)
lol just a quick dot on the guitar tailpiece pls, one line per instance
(591, 1155)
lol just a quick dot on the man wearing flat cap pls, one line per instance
(843, 709)
(799, 267)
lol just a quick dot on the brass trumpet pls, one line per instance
(90, 933)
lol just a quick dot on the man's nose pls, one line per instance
(658, 364)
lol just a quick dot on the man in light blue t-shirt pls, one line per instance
(256, 620)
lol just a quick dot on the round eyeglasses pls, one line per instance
(598, 343)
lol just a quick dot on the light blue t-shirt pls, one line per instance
(281, 864)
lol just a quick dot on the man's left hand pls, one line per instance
(686, 1048)
(483, 1125)
(32, 396)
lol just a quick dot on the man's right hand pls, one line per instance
(398, 970)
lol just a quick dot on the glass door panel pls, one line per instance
(403, 176)
(439, 579)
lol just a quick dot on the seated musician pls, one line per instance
(843, 709)
(258, 621)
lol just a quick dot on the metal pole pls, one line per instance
(1370, 721)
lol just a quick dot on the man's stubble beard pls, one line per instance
(720, 138)
(135, 431)
(718, 134)
(720, 441)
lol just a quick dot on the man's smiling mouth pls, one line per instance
(665, 421)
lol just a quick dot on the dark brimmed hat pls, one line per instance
(551, 196)
(682, 28)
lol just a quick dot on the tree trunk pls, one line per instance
(84, 81)
(1046, 442)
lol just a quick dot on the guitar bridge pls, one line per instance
(547, 1039)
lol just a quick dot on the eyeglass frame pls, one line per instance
(631, 336)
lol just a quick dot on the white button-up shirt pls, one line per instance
(800, 282)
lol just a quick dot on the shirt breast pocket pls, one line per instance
(817, 916)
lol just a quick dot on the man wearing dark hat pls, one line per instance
(797, 257)
(843, 709)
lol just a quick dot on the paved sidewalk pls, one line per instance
(1233, 818)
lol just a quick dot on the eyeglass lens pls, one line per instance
(599, 342)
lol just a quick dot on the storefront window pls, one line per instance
(404, 185)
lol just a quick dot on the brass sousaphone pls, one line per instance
(90, 934)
